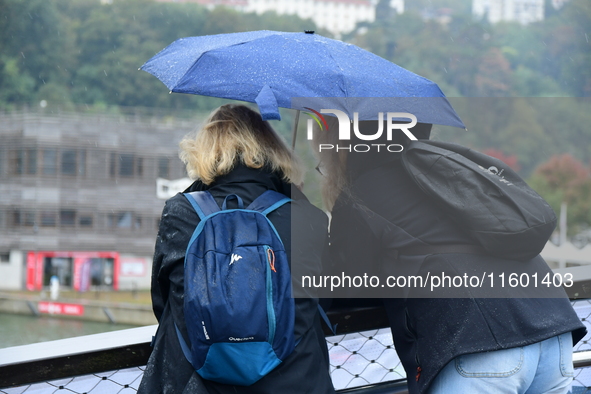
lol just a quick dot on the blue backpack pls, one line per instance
(238, 304)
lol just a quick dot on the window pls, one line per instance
(126, 164)
(18, 162)
(101, 272)
(48, 219)
(124, 219)
(31, 167)
(29, 219)
(69, 162)
(113, 165)
(85, 220)
(139, 166)
(163, 167)
(16, 218)
(23, 218)
(110, 220)
(67, 218)
(49, 161)
(120, 220)
(82, 163)
(137, 223)
(23, 161)
(61, 267)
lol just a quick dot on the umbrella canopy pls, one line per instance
(273, 68)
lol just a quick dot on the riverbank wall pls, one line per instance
(89, 310)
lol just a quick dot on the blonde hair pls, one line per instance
(236, 134)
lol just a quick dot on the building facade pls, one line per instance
(522, 11)
(558, 4)
(78, 197)
(337, 16)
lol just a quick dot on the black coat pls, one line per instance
(430, 332)
(304, 371)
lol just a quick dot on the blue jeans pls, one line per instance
(541, 368)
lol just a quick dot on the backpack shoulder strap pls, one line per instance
(203, 203)
(268, 202)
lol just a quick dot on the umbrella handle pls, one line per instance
(294, 132)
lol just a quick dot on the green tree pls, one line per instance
(526, 82)
(564, 179)
(36, 45)
(15, 85)
(567, 39)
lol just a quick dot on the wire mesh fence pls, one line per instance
(583, 308)
(363, 358)
(356, 359)
(124, 381)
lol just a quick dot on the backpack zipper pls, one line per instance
(271, 258)
(269, 284)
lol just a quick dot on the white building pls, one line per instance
(336, 16)
(522, 11)
(558, 4)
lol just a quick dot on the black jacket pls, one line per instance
(305, 370)
(430, 332)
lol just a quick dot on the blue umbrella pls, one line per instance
(298, 71)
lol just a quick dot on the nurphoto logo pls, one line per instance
(344, 131)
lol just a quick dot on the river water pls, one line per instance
(18, 330)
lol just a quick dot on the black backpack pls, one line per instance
(484, 196)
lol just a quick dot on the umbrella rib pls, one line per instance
(343, 85)
(194, 64)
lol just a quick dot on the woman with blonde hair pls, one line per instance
(236, 152)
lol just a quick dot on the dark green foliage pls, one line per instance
(74, 53)
(82, 52)
(93, 50)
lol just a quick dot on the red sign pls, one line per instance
(31, 269)
(58, 308)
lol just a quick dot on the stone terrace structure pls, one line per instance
(83, 182)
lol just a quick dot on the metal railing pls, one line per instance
(362, 356)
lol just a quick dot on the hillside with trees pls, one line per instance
(524, 92)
